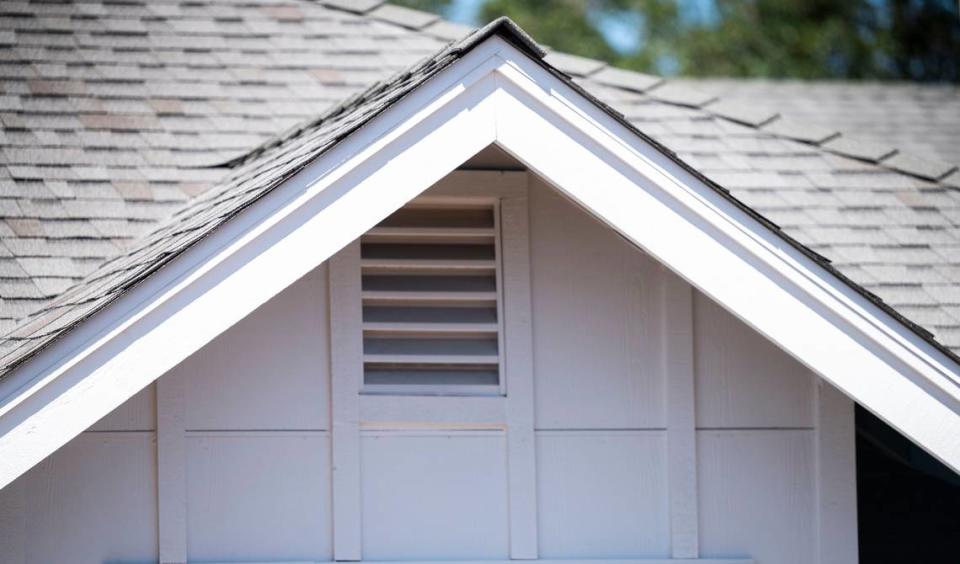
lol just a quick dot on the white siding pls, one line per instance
(742, 380)
(139, 413)
(92, 501)
(757, 495)
(602, 494)
(270, 371)
(429, 495)
(257, 448)
(258, 496)
(590, 318)
(435, 481)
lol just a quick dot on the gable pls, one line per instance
(491, 93)
(256, 430)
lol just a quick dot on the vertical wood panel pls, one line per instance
(757, 495)
(435, 495)
(677, 323)
(94, 500)
(13, 521)
(594, 314)
(836, 477)
(521, 451)
(138, 413)
(270, 371)
(744, 380)
(171, 468)
(346, 362)
(261, 496)
(603, 494)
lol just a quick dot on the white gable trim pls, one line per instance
(494, 94)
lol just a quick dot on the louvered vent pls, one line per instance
(431, 301)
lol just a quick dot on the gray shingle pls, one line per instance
(10, 268)
(24, 227)
(800, 131)
(742, 113)
(858, 149)
(355, 6)
(48, 267)
(628, 80)
(19, 288)
(926, 168)
(952, 179)
(448, 31)
(678, 93)
(406, 17)
(53, 286)
(574, 65)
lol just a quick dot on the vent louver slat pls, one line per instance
(430, 300)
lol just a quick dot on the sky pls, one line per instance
(621, 30)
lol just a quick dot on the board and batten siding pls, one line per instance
(662, 427)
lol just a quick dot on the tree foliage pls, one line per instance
(858, 39)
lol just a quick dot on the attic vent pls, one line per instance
(431, 301)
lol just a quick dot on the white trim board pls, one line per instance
(494, 94)
(611, 561)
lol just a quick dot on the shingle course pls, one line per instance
(800, 131)
(678, 93)
(918, 119)
(574, 65)
(406, 17)
(448, 31)
(865, 150)
(926, 168)
(741, 112)
(627, 80)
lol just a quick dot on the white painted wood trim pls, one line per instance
(547, 561)
(836, 477)
(518, 374)
(171, 469)
(676, 314)
(483, 185)
(393, 411)
(346, 373)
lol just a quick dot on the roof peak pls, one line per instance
(502, 27)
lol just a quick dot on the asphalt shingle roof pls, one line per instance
(114, 116)
(919, 119)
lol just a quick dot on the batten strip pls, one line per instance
(171, 469)
(346, 364)
(678, 363)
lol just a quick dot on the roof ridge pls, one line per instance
(673, 92)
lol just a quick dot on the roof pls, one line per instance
(118, 115)
(921, 119)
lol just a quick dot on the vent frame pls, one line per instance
(420, 236)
